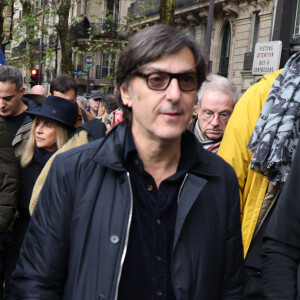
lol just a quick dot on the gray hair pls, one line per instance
(12, 74)
(109, 101)
(82, 100)
(148, 45)
(220, 84)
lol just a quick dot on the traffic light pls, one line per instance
(34, 77)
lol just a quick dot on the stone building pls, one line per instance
(237, 25)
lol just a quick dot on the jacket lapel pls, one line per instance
(190, 191)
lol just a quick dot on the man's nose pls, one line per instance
(215, 121)
(173, 90)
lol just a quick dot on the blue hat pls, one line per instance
(97, 95)
(58, 109)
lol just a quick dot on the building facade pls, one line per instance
(99, 30)
(236, 27)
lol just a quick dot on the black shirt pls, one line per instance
(14, 123)
(146, 272)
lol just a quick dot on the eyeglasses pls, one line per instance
(224, 116)
(159, 81)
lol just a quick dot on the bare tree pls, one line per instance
(166, 11)
(63, 31)
(31, 34)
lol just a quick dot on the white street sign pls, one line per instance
(266, 57)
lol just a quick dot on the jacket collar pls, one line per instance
(110, 153)
(30, 105)
(207, 166)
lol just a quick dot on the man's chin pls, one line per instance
(214, 136)
(4, 114)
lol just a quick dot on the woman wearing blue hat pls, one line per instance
(53, 124)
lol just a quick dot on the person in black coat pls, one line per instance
(145, 212)
(9, 183)
(281, 257)
(53, 124)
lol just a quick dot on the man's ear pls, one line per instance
(22, 90)
(103, 109)
(126, 95)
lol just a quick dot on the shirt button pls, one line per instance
(158, 222)
(114, 239)
(158, 258)
(150, 187)
(159, 293)
(136, 162)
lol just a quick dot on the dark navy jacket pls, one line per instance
(77, 239)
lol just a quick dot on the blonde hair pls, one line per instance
(62, 135)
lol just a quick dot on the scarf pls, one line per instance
(208, 144)
(41, 156)
(276, 133)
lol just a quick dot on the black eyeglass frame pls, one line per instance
(171, 76)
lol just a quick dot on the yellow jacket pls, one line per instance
(233, 149)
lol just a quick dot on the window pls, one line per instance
(110, 8)
(79, 68)
(107, 65)
(295, 17)
(255, 30)
(225, 51)
(297, 21)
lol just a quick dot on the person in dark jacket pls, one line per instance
(66, 87)
(13, 107)
(281, 256)
(53, 124)
(9, 184)
(145, 212)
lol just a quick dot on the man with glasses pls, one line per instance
(215, 105)
(13, 106)
(144, 213)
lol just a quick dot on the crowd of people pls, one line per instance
(171, 188)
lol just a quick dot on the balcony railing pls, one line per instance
(107, 29)
(20, 50)
(151, 7)
(144, 8)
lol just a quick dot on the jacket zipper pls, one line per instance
(126, 240)
(183, 182)
(181, 187)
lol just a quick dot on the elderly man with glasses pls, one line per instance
(144, 213)
(217, 97)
